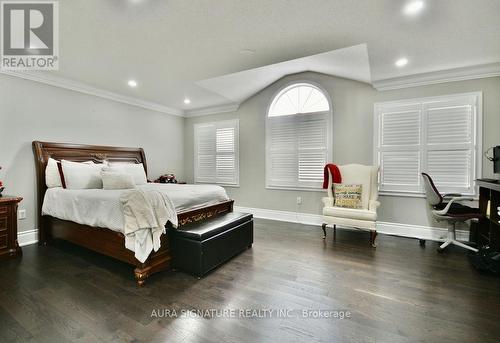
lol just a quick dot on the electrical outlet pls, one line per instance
(21, 214)
(299, 200)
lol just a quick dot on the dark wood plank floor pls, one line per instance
(398, 292)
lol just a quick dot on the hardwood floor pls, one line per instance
(398, 292)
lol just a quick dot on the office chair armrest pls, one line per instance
(452, 195)
(328, 201)
(445, 210)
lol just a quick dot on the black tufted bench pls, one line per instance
(198, 248)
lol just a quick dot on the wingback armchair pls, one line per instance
(364, 218)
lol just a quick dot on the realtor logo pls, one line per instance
(30, 37)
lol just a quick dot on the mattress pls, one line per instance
(102, 208)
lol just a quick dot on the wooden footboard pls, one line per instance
(112, 243)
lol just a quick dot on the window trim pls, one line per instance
(477, 139)
(329, 132)
(230, 122)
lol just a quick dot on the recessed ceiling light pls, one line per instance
(132, 83)
(413, 7)
(401, 62)
(187, 101)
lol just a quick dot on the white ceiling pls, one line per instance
(349, 63)
(187, 48)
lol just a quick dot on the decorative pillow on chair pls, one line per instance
(348, 196)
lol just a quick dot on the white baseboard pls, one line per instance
(27, 237)
(283, 216)
(418, 231)
(396, 229)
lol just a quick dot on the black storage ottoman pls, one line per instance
(197, 248)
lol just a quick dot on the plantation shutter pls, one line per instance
(432, 135)
(297, 150)
(399, 147)
(216, 153)
(450, 144)
(312, 148)
(225, 162)
(205, 153)
(282, 153)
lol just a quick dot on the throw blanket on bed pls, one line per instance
(146, 213)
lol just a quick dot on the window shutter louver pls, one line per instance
(433, 135)
(312, 148)
(399, 146)
(226, 158)
(282, 158)
(451, 125)
(216, 153)
(450, 144)
(298, 150)
(205, 153)
(450, 170)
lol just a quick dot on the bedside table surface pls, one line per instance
(9, 198)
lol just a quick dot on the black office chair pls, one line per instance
(450, 211)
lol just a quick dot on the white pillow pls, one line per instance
(114, 180)
(52, 174)
(82, 175)
(136, 170)
(52, 177)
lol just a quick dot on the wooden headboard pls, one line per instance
(78, 153)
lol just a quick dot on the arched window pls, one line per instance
(298, 137)
(299, 98)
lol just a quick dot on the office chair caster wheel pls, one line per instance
(421, 242)
(439, 250)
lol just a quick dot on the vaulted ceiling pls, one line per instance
(184, 48)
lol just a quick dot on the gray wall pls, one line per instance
(33, 111)
(30, 110)
(352, 141)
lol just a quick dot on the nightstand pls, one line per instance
(8, 227)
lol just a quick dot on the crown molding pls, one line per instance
(442, 76)
(211, 110)
(86, 89)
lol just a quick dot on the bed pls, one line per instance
(105, 240)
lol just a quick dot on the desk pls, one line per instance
(489, 225)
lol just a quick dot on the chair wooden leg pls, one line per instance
(324, 230)
(334, 232)
(373, 236)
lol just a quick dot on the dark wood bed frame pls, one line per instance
(102, 240)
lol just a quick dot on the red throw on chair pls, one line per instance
(334, 170)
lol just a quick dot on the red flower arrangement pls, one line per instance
(1, 185)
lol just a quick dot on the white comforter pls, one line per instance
(102, 208)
